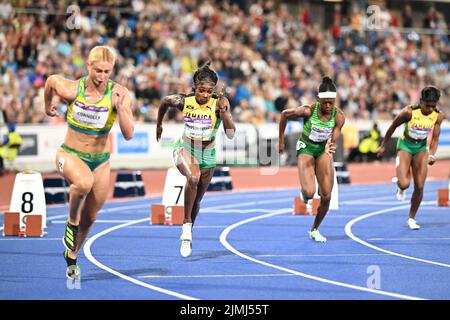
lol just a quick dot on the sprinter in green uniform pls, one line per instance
(315, 147)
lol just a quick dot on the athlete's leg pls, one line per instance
(187, 164)
(81, 179)
(305, 165)
(325, 179)
(205, 179)
(402, 168)
(420, 169)
(93, 203)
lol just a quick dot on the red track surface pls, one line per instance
(256, 178)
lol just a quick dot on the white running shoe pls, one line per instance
(186, 240)
(316, 236)
(401, 194)
(412, 224)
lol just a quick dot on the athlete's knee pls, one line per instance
(325, 197)
(83, 186)
(403, 184)
(308, 194)
(193, 179)
(418, 188)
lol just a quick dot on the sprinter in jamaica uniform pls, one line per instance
(413, 151)
(194, 153)
(315, 147)
(94, 102)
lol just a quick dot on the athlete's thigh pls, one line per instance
(99, 192)
(306, 174)
(71, 167)
(325, 174)
(420, 167)
(403, 165)
(186, 163)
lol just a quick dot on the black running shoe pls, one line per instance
(70, 237)
(72, 271)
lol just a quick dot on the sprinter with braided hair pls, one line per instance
(194, 153)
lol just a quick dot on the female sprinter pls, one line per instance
(412, 147)
(194, 153)
(315, 147)
(83, 159)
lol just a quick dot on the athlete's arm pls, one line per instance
(339, 121)
(224, 113)
(404, 116)
(172, 101)
(122, 103)
(59, 86)
(435, 139)
(288, 114)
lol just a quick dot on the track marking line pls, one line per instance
(226, 244)
(322, 255)
(90, 257)
(220, 276)
(348, 232)
(406, 239)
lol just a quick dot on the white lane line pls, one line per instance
(323, 255)
(406, 239)
(153, 226)
(96, 221)
(90, 257)
(348, 232)
(220, 276)
(226, 244)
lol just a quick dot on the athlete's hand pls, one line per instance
(52, 110)
(330, 148)
(380, 151)
(221, 100)
(431, 159)
(159, 130)
(281, 146)
(119, 93)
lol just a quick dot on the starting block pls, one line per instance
(28, 201)
(169, 216)
(11, 224)
(171, 210)
(443, 197)
(309, 209)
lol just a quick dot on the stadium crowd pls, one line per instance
(270, 56)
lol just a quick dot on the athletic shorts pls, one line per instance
(411, 147)
(308, 147)
(206, 157)
(92, 160)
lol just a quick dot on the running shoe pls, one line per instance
(401, 194)
(316, 236)
(412, 224)
(72, 271)
(70, 237)
(186, 240)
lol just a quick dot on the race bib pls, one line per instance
(320, 134)
(90, 116)
(419, 133)
(198, 129)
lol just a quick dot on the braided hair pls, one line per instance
(205, 73)
(430, 94)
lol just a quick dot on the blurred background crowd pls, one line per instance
(270, 55)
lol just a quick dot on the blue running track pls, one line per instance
(247, 246)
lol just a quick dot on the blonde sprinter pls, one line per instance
(94, 102)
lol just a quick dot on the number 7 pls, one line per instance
(179, 193)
